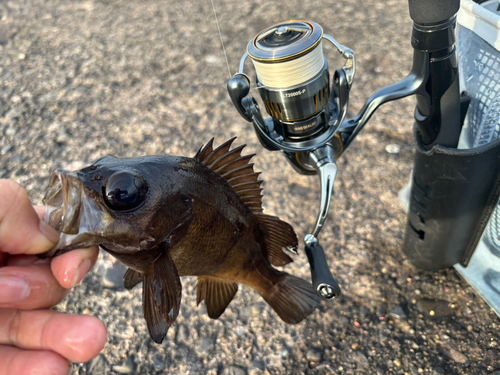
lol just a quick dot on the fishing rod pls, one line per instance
(307, 109)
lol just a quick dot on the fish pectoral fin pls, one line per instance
(292, 298)
(217, 294)
(132, 278)
(161, 298)
(277, 235)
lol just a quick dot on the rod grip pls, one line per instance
(424, 12)
(324, 284)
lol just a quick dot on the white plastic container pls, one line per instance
(478, 46)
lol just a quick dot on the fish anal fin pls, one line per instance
(161, 296)
(232, 167)
(292, 298)
(278, 235)
(216, 293)
(131, 278)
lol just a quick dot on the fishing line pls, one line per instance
(290, 73)
(220, 36)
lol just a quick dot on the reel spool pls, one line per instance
(293, 81)
(306, 111)
(293, 78)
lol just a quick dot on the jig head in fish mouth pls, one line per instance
(74, 211)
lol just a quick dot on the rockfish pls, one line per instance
(167, 216)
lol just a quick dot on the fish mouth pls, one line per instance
(73, 211)
(63, 202)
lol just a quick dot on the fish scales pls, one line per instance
(166, 216)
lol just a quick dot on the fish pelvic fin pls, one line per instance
(216, 293)
(292, 298)
(131, 278)
(278, 235)
(235, 169)
(161, 297)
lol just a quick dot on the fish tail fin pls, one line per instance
(292, 298)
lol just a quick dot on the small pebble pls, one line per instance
(313, 355)
(246, 313)
(257, 365)
(233, 370)
(397, 362)
(398, 313)
(158, 363)
(393, 149)
(211, 59)
(205, 344)
(6, 149)
(454, 355)
(439, 370)
(10, 132)
(240, 331)
(361, 360)
(122, 369)
(98, 366)
(182, 334)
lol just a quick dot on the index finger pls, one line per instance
(21, 230)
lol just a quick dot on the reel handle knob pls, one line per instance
(239, 87)
(324, 284)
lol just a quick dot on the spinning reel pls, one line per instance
(306, 112)
(307, 122)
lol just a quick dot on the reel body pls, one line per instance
(306, 109)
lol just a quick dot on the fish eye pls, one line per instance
(125, 190)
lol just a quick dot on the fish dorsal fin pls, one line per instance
(277, 235)
(216, 293)
(235, 169)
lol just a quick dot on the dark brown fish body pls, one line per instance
(165, 217)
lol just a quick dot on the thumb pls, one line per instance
(21, 231)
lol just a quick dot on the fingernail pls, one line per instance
(49, 232)
(83, 268)
(13, 289)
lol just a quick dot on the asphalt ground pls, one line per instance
(84, 79)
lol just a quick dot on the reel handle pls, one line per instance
(324, 284)
(239, 87)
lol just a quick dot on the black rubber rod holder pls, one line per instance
(323, 282)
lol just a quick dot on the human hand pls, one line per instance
(33, 338)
